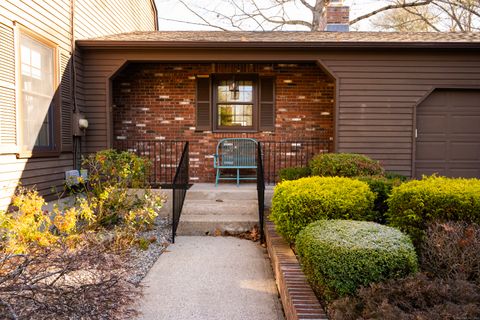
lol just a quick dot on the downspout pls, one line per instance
(72, 45)
(155, 14)
(77, 140)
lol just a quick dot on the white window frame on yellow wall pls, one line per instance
(48, 100)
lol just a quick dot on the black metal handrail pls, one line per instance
(164, 156)
(180, 187)
(260, 190)
(278, 155)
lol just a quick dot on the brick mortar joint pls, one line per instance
(292, 310)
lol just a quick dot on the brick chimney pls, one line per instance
(337, 16)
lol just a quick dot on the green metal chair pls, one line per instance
(235, 153)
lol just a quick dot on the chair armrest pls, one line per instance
(215, 157)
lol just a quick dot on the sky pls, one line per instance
(173, 9)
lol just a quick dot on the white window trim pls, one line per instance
(21, 153)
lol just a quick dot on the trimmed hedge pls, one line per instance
(293, 173)
(382, 187)
(297, 203)
(344, 165)
(415, 203)
(339, 256)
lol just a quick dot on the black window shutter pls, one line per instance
(203, 110)
(267, 104)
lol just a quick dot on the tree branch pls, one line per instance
(391, 7)
(422, 18)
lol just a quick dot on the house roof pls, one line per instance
(286, 39)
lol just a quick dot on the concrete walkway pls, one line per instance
(211, 278)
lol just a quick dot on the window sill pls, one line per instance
(8, 149)
(235, 131)
(37, 154)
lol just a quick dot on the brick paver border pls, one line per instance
(299, 301)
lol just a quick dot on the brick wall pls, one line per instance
(156, 101)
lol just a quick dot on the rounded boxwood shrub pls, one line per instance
(344, 165)
(293, 173)
(415, 203)
(297, 203)
(339, 256)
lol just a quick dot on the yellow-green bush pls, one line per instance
(344, 165)
(339, 256)
(297, 203)
(111, 175)
(29, 225)
(415, 203)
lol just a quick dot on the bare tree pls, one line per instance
(272, 15)
(408, 20)
(440, 15)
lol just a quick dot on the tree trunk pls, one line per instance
(319, 21)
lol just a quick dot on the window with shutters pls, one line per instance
(38, 99)
(235, 103)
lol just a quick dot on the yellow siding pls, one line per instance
(51, 20)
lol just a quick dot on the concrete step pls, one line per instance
(204, 225)
(210, 192)
(220, 207)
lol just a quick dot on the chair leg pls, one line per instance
(238, 177)
(217, 177)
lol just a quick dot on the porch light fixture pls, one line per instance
(233, 88)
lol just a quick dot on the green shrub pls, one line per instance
(119, 168)
(344, 165)
(111, 174)
(297, 203)
(415, 203)
(396, 176)
(339, 256)
(382, 187)
(293, 173)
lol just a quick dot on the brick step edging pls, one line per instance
(298, 299)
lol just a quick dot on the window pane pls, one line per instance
(235, 91)
(37, 81)
(235, 115)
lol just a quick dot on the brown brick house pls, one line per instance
(278, 102)
(409, 100)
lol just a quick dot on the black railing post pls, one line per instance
(260, 190)
(179, 189)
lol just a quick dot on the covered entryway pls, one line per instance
(448, 134)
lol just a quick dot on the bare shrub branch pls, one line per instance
(62, 283)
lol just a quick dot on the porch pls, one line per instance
(157, 107)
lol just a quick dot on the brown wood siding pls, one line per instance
(51, 20)
(378, 93)
(378, 90)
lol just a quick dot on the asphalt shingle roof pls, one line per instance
(287, 38)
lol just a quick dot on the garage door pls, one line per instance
(448, 134)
